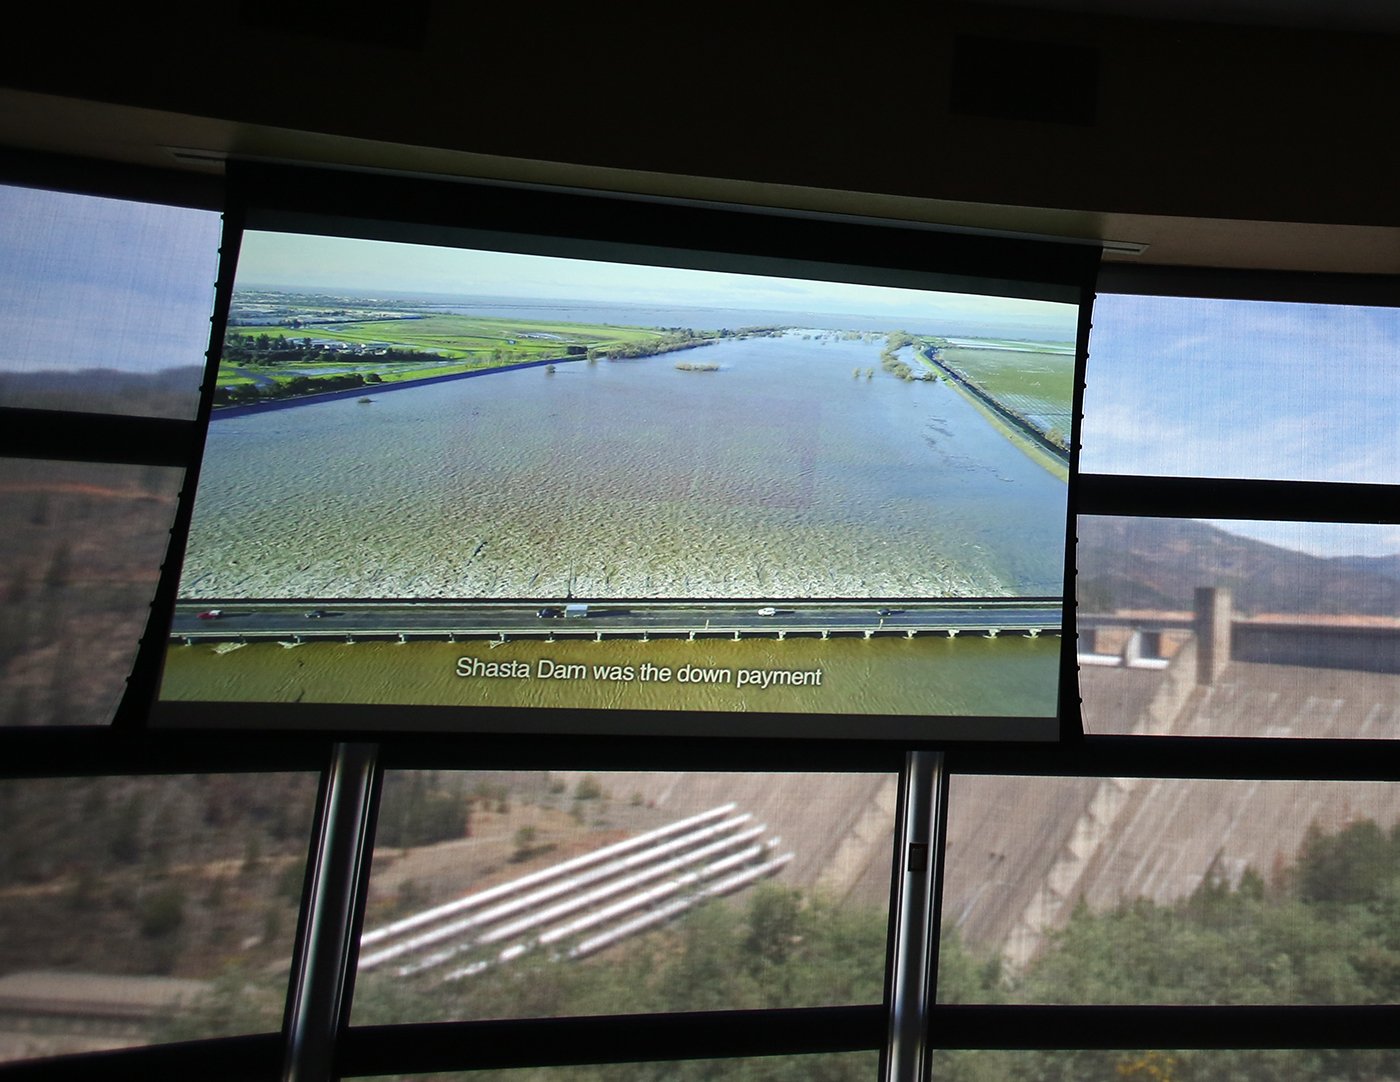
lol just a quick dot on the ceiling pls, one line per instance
(1372, 16)
(1212, 145)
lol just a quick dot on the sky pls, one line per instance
(298, 261)
(103, 283)
(1248, 389)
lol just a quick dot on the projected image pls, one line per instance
(455, 476)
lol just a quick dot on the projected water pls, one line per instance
(778, 473)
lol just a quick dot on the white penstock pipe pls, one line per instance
(582, 900)
(680, 905)
(471, 901)
(640, 900)
(529, 900)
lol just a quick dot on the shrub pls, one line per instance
(161, 912)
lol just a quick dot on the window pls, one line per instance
(1169, 890)
(83, 544)
(510, 894)
(103, 303)
(139, 910)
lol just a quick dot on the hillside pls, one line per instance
(1158, 563)
(168, 392)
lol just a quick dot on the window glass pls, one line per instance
(1157, 1065)
(1135, 890)
(104, 303)
(1232, 388)
(136, 910)
(1239, 628)
(833, 1067)
(550, 894)
(81, 545)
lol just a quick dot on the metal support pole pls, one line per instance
(341, 852)
(915, 936)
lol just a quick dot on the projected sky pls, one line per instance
(295, 261)
(103, 283)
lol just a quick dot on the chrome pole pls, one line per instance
(340, 855)
(915, 936)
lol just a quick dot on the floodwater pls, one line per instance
(928, 676)
(781, 475)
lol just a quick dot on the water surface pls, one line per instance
(930, 675)
(787, 473)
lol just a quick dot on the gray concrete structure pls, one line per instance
(1359, 643)
(1023, 851)
(1213, 616)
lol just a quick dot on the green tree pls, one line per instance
(161, 912)
(57, 574)
(124, 841)
(420, 811)
(772, 920)
(1349, 866)
(524, 843)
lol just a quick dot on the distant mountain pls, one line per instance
(1158, 563)
(1386, 567)
(166, 392)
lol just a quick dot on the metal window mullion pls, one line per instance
(341, 854)
(915, 935)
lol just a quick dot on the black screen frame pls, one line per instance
(617, 227)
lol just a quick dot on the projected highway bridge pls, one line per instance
(343, 621)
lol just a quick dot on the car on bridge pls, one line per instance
(549, 612)
(768, 610)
